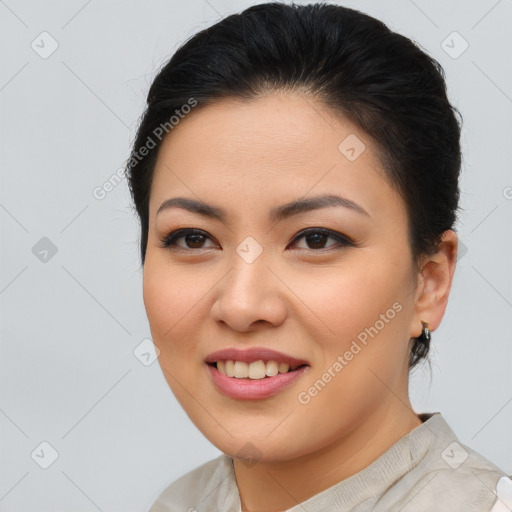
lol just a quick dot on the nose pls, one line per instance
(250, 297)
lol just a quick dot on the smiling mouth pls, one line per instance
(255, 370)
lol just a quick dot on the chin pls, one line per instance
(250, 445)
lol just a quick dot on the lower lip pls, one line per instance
(254, 389)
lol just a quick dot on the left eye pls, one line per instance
(315, 239)
(318, 237)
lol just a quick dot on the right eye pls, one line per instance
(194, 239)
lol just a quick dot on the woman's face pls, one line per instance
(254, 280)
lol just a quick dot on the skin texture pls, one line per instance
(248, 157)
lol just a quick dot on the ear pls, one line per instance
(434, 284)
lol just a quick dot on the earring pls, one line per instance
(425, 333)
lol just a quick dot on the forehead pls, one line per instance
(294, 127)
(270, 149)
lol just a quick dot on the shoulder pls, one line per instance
(459, 478)
(189, 490)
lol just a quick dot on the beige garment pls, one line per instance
(427, 470)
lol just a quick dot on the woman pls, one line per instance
(296, 178)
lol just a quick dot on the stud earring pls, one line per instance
(425, 333)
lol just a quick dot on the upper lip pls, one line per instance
(250, 355)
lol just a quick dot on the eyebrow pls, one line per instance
(277, 214)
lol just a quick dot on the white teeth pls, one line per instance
(241, 370)
(283, 367)
(255, 370)
(272, 368)
(230, 368)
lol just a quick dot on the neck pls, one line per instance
(279, 485)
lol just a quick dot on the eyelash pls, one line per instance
(169, 242)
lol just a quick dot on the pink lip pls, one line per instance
(253, 354)
(256, 389)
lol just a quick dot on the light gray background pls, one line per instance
(71, 324)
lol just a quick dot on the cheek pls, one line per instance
(342, 304)
(359, 331)
(172, 299)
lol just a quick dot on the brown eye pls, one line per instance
(316, 239)
(194, 239)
